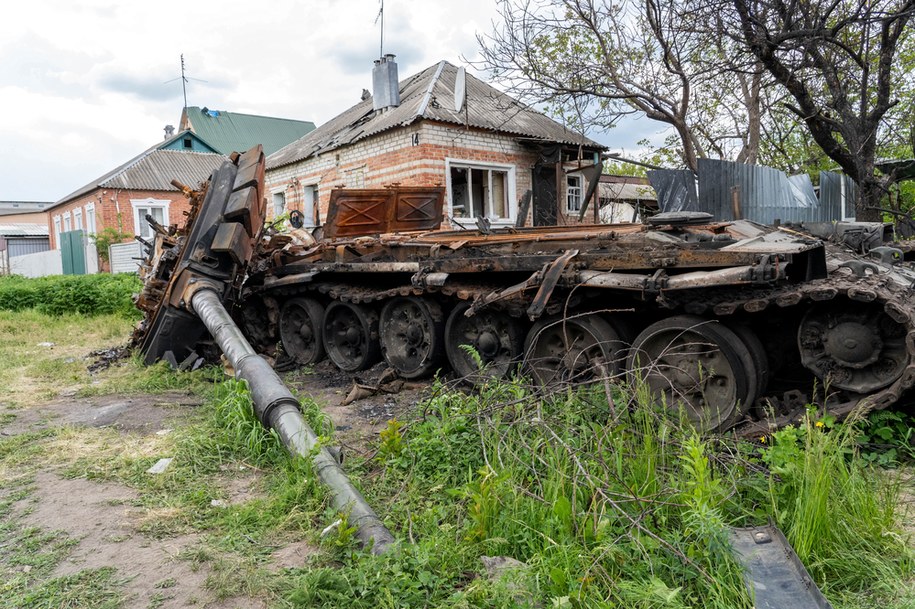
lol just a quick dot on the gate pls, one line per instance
(73, 252)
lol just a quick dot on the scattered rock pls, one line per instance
(46, 345)
(26, 568)
(219, 503)
(163, 432)
(160, 466)
(498, 566)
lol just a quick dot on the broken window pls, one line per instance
(479, 191)
(573, 193)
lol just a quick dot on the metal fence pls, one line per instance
(755, 192)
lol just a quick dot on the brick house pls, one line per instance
(121, 198)
(487, 153)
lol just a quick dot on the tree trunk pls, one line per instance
(870, 194)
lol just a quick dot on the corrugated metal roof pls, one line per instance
(24, 230)
(9, 208)
(230, 132)
(154, 169)
(430, 95)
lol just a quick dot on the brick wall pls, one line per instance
(415, 155)
(113, 209)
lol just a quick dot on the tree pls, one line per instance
(593, 62)
(839, 62)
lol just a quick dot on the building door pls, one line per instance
(73, 252)
(544, 202)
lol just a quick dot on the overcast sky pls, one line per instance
(83, 83)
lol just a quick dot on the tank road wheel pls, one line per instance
(855, 346)
(576, 349)
(302, 330)
(351, 336)
(496, 337)
(412, 336)
(699, 365)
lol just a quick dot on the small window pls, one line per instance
(158, 210)
(187, 143)
(573, 193)
(90, 218)
(279, 203)
(78, 219)
(57, 231)
(309, 203)
(67, 223)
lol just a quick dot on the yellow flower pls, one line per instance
(819, 423)
(762, 439)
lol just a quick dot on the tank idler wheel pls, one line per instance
(576, 349)
(351, 336)
(494, 336)
(698, 365)
(412, 335)
(853, 346)
(302, 330)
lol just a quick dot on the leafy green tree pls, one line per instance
(594, 62)
(846, 66)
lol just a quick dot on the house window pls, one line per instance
(279, 203)
(77, 219)
(573, 193)
(57, 231)
(158, 209)
(309, 203)
(481, 191)
(187, 143)
(90, 218)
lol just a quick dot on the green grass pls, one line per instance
(622, 506)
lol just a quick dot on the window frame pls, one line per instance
(310, 221)
(510, 171)
(90, 213)
(578, 192)
(58, 225)
(149, 202)
(278, 191)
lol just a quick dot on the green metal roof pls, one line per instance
(230, 132)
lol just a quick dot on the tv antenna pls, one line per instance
(380, 16)
(184, 78)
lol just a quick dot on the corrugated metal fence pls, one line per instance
(123, 257)
(763, 194)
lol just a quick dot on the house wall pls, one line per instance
(416, 155)
(38, 217)
(113, 208)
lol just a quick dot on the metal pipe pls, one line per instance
(277, 408)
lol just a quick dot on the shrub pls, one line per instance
(81, 294)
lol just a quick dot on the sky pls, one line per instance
(85, 85)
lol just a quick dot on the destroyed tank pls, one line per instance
(741, 325)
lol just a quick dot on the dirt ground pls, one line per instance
(103, 516)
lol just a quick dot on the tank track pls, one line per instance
(894, 291)
(881, 283)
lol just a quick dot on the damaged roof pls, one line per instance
(154, 169)
(430, 95)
